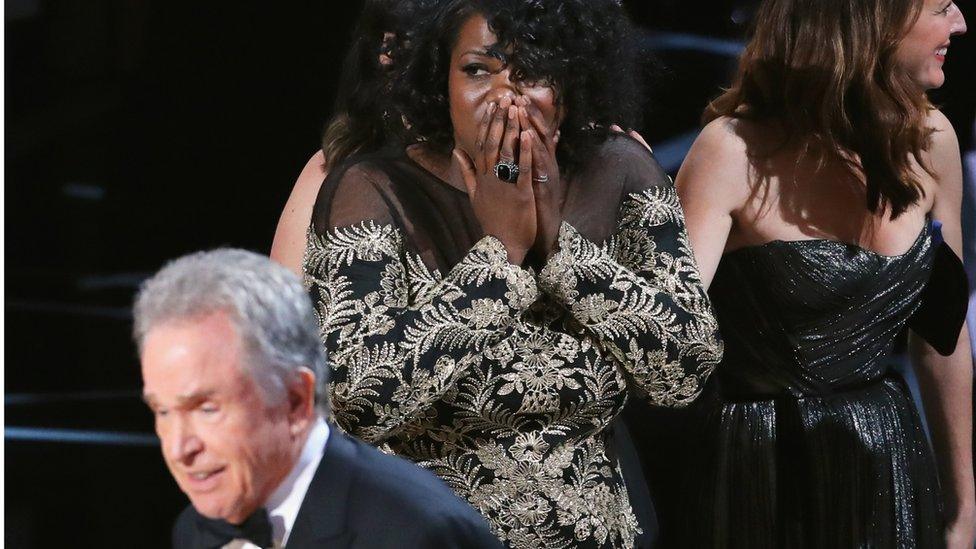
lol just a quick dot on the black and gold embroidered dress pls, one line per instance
(499, 379)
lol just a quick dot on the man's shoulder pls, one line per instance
(387, 501)
(411, 499)
(390, 477)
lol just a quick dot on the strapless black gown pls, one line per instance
(807, 438)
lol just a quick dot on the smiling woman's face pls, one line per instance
(923, 49)
(477, 79)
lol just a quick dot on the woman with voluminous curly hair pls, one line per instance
(812, 198)
(491, 294)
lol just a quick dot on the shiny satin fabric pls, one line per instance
(806, 438)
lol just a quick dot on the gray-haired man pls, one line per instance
(231, 366)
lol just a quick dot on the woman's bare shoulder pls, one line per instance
(942, 155)
(313, 173)
(306, 189)
(938, 121)
(719, 158)
(945, 161)
(738, 137)
(288, 245)
(945, 143)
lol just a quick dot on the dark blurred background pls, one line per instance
(140, 130)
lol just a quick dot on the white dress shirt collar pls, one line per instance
(284, 503)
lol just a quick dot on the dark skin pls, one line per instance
(496, 118)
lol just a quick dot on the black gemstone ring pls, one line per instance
(507, 171)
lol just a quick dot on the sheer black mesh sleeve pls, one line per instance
(639, 292)
(398, 334)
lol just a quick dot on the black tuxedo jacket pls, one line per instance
(361, 498)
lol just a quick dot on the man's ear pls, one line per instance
(301, 400)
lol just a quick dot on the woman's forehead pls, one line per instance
(475, 35)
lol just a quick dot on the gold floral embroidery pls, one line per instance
(507, 392)
(659, 326)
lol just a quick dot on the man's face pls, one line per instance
(226, 445)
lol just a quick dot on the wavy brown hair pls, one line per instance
(825, 71)
(361, 122)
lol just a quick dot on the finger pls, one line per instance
(524, 120)
(640, 139)
(538, 149)
(483, 132)
(616, 129)
(542, 161)
(524, 182)
(538, 121)
(495, 132)
(506, 152)
(467, 171)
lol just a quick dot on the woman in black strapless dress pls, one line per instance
(810, 198)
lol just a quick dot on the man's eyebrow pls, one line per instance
(195, 396)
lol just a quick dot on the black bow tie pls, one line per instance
(217, 533)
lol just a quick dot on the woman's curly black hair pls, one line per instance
(585, 49)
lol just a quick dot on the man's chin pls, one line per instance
(217, 510)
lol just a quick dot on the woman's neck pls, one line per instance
(440, 166)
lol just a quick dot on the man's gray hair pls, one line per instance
(266, 303)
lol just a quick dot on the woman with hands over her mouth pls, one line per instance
(538, 192)
(492, 294)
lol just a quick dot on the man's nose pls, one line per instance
(182, 442)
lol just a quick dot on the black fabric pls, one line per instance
(361, 498)
(625, 451)
(804, 438)
(436, 218)
(664, 439)
(940, 316)
(373, 219)
(211, 533)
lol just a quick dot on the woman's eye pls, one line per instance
(945, 10)
(209, 409)
(475, 69)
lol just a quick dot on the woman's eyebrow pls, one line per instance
(498, 53)
(485, 52)
(490, 52)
